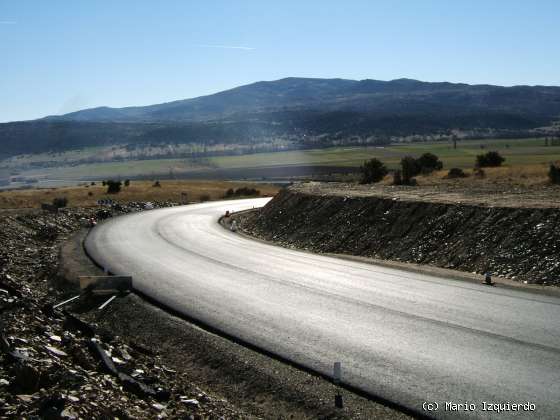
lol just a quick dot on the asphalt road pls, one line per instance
(409, 338)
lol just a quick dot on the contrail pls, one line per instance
(227, 47)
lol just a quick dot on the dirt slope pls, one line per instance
(520, 243)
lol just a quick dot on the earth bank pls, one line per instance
(515, 236)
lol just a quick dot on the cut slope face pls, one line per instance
(517, 243)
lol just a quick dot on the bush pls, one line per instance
(247, 192)
(203, 197)
(60, 202)
(554, 174)
(372, 171)
(410, 169)
(113, 187)
(104, 183)
(428, 163)
(242, 192)
(156, 184)
(456, 173)
(490, 159)
(89, 193)
(126, 182)
(397, 178)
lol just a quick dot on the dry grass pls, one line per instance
(534, 175)
(520, 175)
(87, 196)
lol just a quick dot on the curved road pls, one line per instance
(409, 338)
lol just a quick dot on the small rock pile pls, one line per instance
(54, 365)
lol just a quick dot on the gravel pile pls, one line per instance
(55, 362)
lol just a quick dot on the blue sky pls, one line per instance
(59, 56)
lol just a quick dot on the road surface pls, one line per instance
(410, 338)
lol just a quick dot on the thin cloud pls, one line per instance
(8, 22)
(227, 47)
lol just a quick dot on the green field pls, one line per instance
(516, 152)
(129, 168)
(524, 151)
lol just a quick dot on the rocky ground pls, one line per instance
(56, 365)
(511, 233)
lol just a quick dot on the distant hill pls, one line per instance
(303, 111)
(368, 96)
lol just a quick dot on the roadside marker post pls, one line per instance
(337, 372)
(337, 376)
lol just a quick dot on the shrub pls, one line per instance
(113, 187)
(247, 192)
(93, 183)
(456, 173)
(60, 202)
(126, 182)
(89, 193)
(242, 192)
(410, 169)
(104, 183)
(428, 163)
(372, 171)
(554, 174)
(203, 197)
(489, 159)
(156, 184)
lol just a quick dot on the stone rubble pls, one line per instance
(55, 365)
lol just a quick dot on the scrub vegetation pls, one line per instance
(87, 195)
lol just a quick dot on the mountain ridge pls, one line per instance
(267, 95)
(301, 113)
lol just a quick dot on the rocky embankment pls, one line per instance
(55, 362)
(510, 238)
